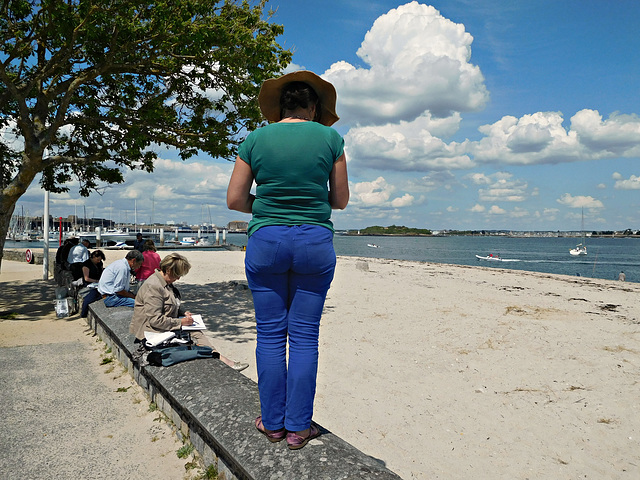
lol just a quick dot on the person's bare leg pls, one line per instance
(227, 361)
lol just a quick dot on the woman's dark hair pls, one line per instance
(149, 245)
(296, 95)
(98, 254)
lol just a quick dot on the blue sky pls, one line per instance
(456, 115)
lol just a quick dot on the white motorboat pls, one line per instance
(490, 258)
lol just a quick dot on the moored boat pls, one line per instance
(581, 248)
(188, 241)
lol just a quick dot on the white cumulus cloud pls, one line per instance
(373, 193)
(619, 135)
(378, 193)
(501, 187)
(407, 146)
(405, 201)
(580, 201)
(531, 139)
(540, 138)
(433, 181)
(418, 61)
(632, 183)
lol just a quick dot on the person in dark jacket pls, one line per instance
(91, 272)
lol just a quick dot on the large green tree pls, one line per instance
(90, 88)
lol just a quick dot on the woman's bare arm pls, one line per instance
(238, 193)
(339, 184)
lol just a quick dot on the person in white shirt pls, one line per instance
(77, 256)
(115, 279)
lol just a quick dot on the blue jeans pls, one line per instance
(91, 296)
(289, 271)
(118, 301)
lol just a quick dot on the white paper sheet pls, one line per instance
(198, 324)
(154, 338)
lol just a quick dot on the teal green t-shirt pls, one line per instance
(291, 163)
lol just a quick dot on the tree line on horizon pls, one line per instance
(402, 230)
(394, 230)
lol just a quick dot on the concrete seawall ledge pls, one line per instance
(214, 407)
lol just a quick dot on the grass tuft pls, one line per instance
(211, 473)
(185, 450)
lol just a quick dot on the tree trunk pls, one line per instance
(7, 207)
(11, 193)
(29, 167)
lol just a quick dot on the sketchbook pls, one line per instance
(198, 324)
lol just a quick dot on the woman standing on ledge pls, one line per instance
(290, 258)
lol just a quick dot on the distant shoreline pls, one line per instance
(350, 233)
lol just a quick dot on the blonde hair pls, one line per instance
(176, 264)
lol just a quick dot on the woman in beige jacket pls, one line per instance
(158, 306)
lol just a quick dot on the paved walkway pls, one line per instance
(64, 414)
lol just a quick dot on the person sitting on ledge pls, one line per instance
(151, 262)
(62, 267)
(114, 282)
(92, 268)
(78, 254)
(158, 306)
(91, 271)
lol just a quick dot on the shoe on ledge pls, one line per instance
(296, 442)
(239, 366)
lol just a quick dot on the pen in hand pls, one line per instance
(187, 320)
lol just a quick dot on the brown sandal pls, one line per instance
(274, 436)
(296, 442)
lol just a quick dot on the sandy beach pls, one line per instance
(454, 372)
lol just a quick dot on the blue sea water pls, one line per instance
(607, 257)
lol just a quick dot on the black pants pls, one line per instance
(76, 270)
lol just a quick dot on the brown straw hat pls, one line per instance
(269, 98)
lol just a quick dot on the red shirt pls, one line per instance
(150, 264)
